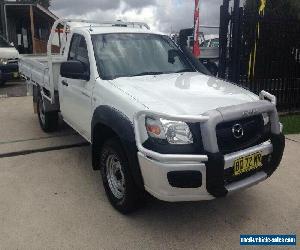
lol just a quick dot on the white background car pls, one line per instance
(211, 41)
(8, 61)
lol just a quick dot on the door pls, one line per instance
(76, 104)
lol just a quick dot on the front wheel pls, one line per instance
(118, 183)
(48, 120)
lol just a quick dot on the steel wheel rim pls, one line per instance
(115, 176)
(41, 111)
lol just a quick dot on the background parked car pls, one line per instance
(9, 57)
(209, 44)
(211, 41)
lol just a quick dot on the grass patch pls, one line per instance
(291, 124)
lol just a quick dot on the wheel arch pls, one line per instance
(108, 122)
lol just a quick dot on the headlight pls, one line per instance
(175, 132)
(3, 61)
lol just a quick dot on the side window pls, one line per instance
(78, 50)
(82, 51)
(73, 46)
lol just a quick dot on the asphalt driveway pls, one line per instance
(13, 89)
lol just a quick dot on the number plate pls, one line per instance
(247, 163)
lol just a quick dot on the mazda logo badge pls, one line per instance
(238, 131)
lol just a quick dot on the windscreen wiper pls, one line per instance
(149, 73)
(185, 70)
(140, 74)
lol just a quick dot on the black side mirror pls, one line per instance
(75, 70)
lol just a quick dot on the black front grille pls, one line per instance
(12, 61)
(255, 132)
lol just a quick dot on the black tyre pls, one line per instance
(48, 120)
(2, 82)
(118, 183)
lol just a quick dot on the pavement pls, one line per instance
(20, 130)
(50, 198)
(295, 138)
(13, 89)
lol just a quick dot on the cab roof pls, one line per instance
(108, 30)
(111, 27)
(105, 30)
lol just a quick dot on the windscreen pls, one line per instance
(127, 55)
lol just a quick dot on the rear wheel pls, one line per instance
(48, 120)
(2, 82)
(119, 186)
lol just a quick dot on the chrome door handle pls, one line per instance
(65, 83)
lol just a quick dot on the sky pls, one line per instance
(162, 15)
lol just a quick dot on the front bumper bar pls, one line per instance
(9, 71)
(217, 163)
(212, 164)
(213, 186)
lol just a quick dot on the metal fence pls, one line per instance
(262, 53)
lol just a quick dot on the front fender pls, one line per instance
(109, 119)
(115, 120)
